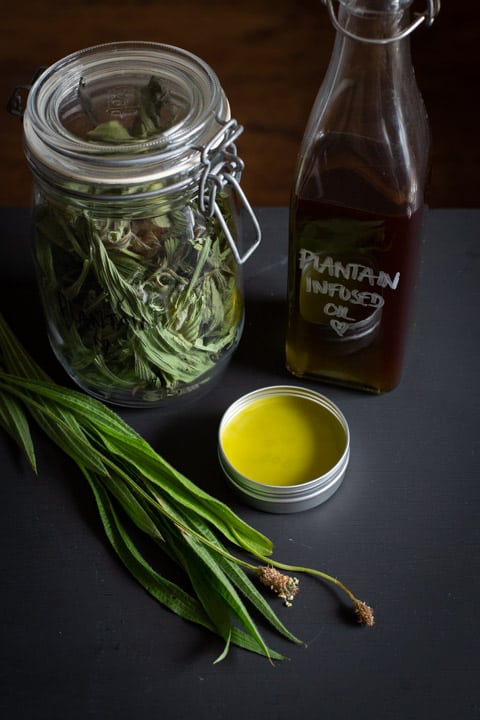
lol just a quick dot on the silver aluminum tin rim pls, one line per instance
(286, 498)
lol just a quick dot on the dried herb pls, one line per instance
(143, 306)
(143, 300)
(132, 483)
(155, 113)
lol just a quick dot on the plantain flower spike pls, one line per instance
(364, 613)
(282, 585)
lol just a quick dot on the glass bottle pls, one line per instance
(357, 204)
(137, 211)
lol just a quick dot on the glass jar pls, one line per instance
(138, 220)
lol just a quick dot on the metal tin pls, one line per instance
(286, 496)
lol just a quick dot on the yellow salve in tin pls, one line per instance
(283, 440)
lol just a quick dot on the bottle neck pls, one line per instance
(374, 21)
(374, 27)
(387, 6)
(368, 121)
(375, 79)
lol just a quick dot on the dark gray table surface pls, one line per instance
(80, 639)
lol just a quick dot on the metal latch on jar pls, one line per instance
(427, 17)
(17, 102)
(222, 168)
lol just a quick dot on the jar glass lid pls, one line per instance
(100, 111)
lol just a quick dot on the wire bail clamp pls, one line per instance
(222, 168)
(427, 17)
(16, 103)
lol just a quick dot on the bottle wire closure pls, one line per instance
(427, 17)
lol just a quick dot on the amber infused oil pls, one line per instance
(357, 206)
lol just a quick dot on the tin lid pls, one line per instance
(284, 448)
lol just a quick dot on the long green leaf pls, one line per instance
(62, 428)
(16, 359)
(14, 422)
(181, 518)
(131, 505)
(213, 603)
(220, 515)
(163, 590)
(242, 582)
(223, 587)
(119, 439)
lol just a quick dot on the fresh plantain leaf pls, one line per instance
(125, 473)
(14, 421)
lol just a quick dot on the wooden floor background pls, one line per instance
(271, 56)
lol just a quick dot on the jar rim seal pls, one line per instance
(116, 75)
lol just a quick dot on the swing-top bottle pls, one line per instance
(358, 202)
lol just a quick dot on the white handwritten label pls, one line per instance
(344, 295)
